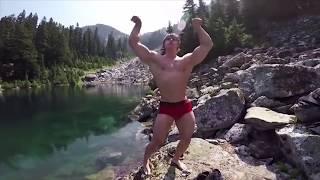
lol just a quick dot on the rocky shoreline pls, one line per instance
(131, 72)
(257, 112)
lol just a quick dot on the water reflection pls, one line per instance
(38, 123)
(117, 90)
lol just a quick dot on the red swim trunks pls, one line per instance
(177, 109)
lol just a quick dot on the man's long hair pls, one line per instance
(163, 48)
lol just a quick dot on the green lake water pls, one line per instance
(68, 133)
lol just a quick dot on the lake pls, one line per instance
(68, 133)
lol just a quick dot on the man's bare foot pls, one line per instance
(146, 169)
(181, 166)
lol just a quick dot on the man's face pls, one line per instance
(172, 41)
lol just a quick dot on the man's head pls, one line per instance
(171, 42)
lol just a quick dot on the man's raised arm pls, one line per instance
(200, 52)
(134, 41)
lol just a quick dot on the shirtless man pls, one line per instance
(171, 74)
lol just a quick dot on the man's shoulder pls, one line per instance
(184, 57)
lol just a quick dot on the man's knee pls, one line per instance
(158, 141)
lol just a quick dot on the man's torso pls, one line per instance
(171, 77)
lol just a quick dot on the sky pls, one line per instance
(154, 14)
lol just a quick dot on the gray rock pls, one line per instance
(315, 128)
(220, 111)
(90, 77)
(265, 119)
(238, 132)
(210, 90)
(307, 109)
(237, 61)
(146, 110)
(263, 101)
(278, 81)
(262, 149)
(192, 93)
(302, 148)
(228, 85)
(203, 99)
(308, 62)
(284, 53)
(275, 61)
(173, 135)
(264, 144)
(242, 150)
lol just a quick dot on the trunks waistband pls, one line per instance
(174, 103)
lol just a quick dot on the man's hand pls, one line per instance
(196, 22)
(136, 20)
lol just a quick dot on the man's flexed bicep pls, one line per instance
(200, 52)
(134, 41)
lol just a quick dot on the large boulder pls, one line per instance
(266, 119)
(302, 148)
(201, 157)
(277, 80)
(146, 110)
(219, 112)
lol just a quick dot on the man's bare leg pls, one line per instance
(161, 128)
(185, 126)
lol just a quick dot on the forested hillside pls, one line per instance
(34, 53)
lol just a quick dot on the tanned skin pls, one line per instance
(171, 74)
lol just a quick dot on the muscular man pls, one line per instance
(171, 74)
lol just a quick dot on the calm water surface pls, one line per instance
(68, 133)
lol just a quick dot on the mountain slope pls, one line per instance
(104, 31)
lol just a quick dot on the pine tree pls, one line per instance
(119, 50)
(25, 58)
(232, 10)
(189, 9)
(203, 12)
(111, 47)
(95, 43)
(189, 41)
(85, 42)
(169, 28)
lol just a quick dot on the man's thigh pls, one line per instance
(162, 126)
(186, 125)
